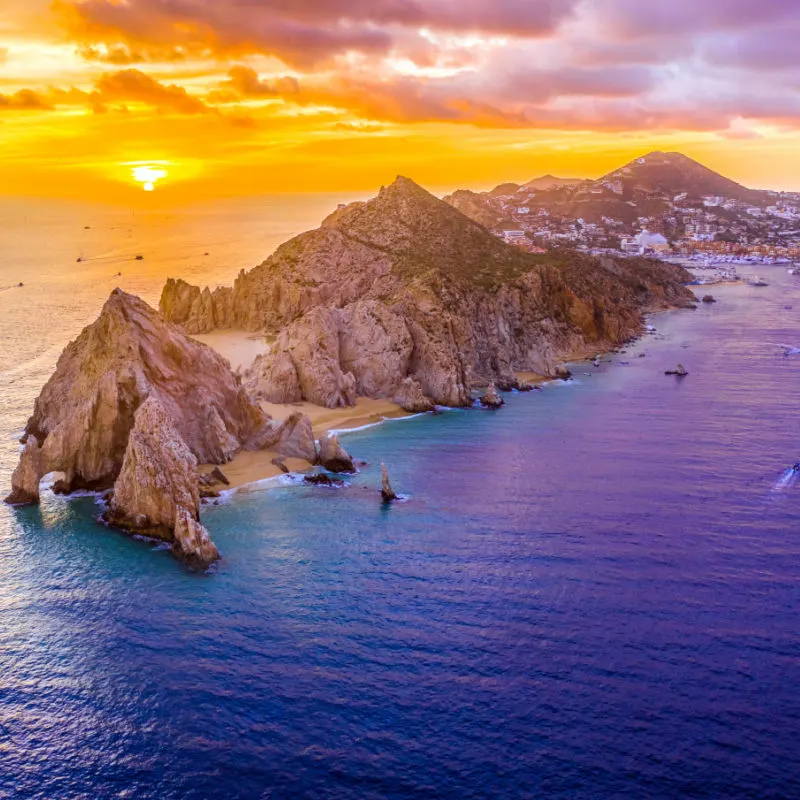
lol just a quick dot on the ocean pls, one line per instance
(591, 593)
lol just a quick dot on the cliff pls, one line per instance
(156, 493)
(404, 287)
(83, 417)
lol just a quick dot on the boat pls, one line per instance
(680, 372)
(756, 282)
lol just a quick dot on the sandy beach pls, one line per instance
(241, 348)
(249, 467)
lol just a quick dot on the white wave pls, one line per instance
(341, 431)
(787, 480)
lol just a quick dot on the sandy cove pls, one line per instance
(249, 467)
(241, 348)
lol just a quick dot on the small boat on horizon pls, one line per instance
(756, 282)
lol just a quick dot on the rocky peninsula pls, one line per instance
(403, 297)
(400, 302)
(133, 407)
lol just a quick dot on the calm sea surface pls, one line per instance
(592, 593)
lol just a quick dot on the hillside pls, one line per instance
(405, 292)
(667, 192)
(675, 173)
(546, 182)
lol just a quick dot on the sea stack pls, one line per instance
(156, 493)
(332, 456)
(387, 493)
(491, 398)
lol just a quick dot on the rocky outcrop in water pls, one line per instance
(27, 475)
(406, 287)
(136, 405)
(387, 492)
(84, 415)
(491, 398)
(332, 456)
(156, 493)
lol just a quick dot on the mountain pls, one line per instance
(404, 294)
(546, 182)
(675, 173)
(659, 187)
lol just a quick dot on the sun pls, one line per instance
(148, 174)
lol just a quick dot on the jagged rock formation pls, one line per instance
(410, 398)
(26, 477)
(491, 398)
(405, 286)
(84, 415)
(156, 493)
(387, 493)
(332, 456)
(292, 438)
(135, 404)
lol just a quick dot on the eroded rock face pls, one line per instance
(410, 398)
(157, 492)
(333, 456)
(84, 415)
(405, 286)
(192, 543)
(25, 481)
(292, 438)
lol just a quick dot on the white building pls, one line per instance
(646, 242)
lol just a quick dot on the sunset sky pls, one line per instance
(200, 98)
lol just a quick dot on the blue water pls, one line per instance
(592, 593)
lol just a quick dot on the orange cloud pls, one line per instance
(132, 85)
(300, 32)
(24, 100)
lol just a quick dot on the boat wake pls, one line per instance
(787, 480)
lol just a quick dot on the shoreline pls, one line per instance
(249, 469)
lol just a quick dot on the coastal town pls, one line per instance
(662, 204)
